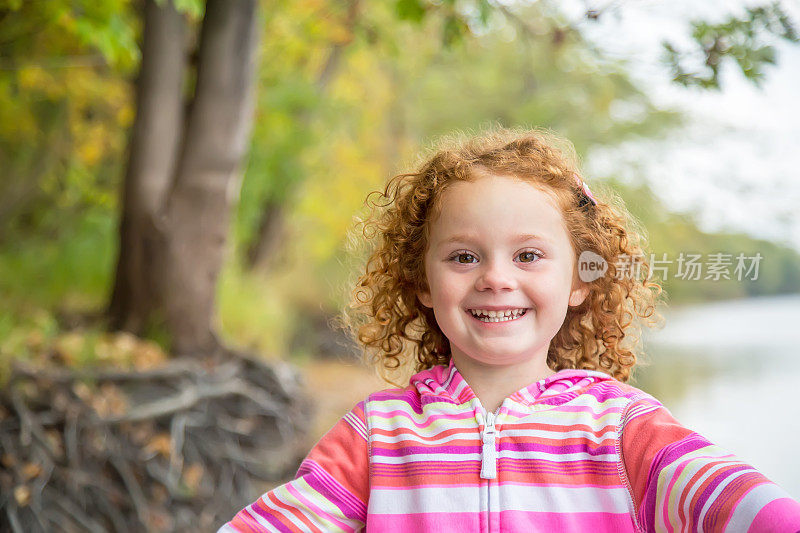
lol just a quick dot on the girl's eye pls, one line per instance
(528, 257)
(464, 258)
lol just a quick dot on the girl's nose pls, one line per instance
(495, 277)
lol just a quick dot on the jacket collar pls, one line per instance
(445, 383)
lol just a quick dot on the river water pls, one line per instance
(731, 372)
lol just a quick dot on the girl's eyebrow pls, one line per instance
(523, 237)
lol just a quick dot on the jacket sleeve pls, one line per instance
(680, 481)
(329, 492)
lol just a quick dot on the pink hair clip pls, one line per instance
(588, 197)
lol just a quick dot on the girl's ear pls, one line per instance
(578, 295)
(425, 299)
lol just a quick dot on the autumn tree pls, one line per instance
(182, 174)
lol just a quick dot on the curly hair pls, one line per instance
(393, 328)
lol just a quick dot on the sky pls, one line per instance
(737, 162)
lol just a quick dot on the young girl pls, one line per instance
(518, 418)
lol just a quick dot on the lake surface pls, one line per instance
(731, 372)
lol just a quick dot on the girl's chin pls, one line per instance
(494, 358)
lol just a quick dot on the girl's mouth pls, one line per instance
(508, 315)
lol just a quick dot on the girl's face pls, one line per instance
(500, 244)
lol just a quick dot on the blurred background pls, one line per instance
(179, 177)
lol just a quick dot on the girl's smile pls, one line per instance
(503, 316)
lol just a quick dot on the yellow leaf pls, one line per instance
(32, 77)
(82, 391)
(192, 476)
(125, 115)
(23, 495)
(69, 347)
(31, 470)
(110, 400)
(148, 355)
(161, 444)
(89, 152)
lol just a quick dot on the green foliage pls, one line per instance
(64, 107)
(562, 87)
(274, 166)
(743, 39)
(44, 278)
(413, 10)
(193, 8)
(253, 309)
(69, 271)
(106, 27)
(458, 18)
(65, 102)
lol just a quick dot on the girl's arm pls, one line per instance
(329, 493)
(682, 482)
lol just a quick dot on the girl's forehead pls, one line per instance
(498, 208)
(503, 195)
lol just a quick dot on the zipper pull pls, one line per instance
(489, 452)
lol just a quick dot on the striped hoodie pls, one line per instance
(577, 451)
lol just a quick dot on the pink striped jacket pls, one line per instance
(577, 451)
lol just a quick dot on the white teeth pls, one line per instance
(497, 316)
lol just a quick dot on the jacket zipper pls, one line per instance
(489, 452)
(489, 462)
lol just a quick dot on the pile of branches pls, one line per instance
(179, 447)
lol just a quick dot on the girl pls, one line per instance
(518, 418)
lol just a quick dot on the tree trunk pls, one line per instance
(181, 183)
(152, 154)
(206, 181)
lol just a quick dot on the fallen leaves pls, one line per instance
(202, 428)
(159, 444)
(22, 495)
(77, 349)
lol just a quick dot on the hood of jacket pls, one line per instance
(445, 383)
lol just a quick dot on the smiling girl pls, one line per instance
(498, 290)
(518, 417)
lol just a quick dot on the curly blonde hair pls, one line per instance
(392, 326)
